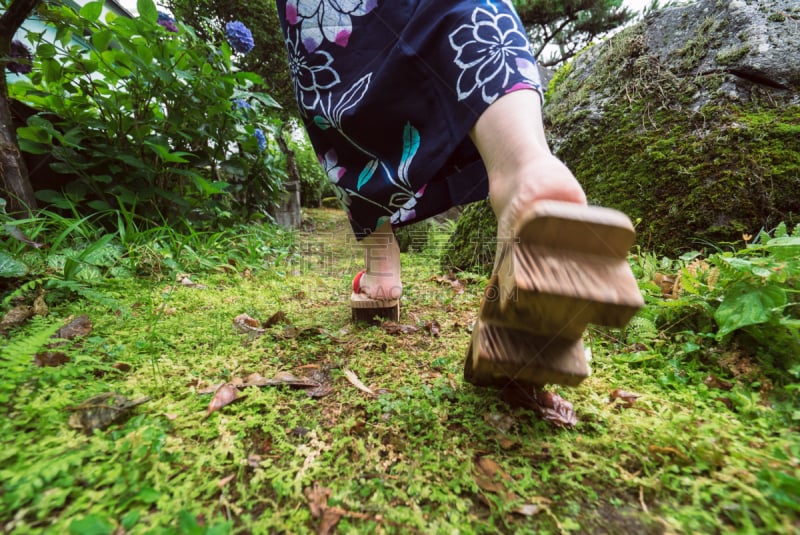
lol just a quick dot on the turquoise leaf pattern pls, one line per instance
(367, 173)
(411, 141)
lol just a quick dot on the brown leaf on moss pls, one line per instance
(278, 317)
(78, 327)
(712, 381)
(40, 305)
(317, 497)
(433, 327)
(491, 478)
(280, 378)
(548, 406)
(50, 359)
(15, 317)
(225, 395)
(394, 328)
(122, 367)
(100, 411)
(626, 399)
(451, 280)
(225, 480)
(249, 325)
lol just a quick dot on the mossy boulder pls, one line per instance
(472, 245)
(689, 122)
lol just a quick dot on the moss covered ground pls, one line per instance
(705, 448)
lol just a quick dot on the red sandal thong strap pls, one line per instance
(357, 281)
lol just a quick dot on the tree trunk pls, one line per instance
(13, 172)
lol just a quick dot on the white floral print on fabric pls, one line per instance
(335, 172)
(308, 78)
(326, 20)
(486, 49)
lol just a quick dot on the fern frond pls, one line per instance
(21, 349)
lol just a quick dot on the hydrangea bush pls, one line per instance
(147, 116)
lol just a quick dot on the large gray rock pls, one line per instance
(689, 121)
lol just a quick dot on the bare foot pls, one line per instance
(545, 178)
(382, 261)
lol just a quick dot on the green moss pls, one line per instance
(732, 55)
(704, 39)
(687, 177)
(472, 246)
(777, 17)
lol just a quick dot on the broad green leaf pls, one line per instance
(11, 267)
(45, 51)
(101, 39)
(91, 525)
(34, 133)
(147, 10)
(165, 154)
(785, 248)
(92, 10)
(745, 304)
(51, 70)
(145, 53)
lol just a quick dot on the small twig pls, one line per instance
(641, 500)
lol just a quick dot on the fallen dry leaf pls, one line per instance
(356, 382)
(15, 317)
(490, 477)
(246, 324)
(50, 359)
(280, 378)
(392, 327)
(80, 326)
(122, 367)
(318, 504)
(323, 376)
(451, 280)
(186, 281)
(225, 395)
(548, 406)
(225, 480)
(278, 317)
(433, 327)
(100, 411)
(626, 399)
(209, 389)
(40, 305)
(713, 381)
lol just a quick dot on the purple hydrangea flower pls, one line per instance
(167, 22)
(168, 25)
(262, 139)
(21, 51)
(241, 104)
(239, 36)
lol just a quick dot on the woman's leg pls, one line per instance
(382, 262)
(510, 138)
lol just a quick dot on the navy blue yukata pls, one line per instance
(389, 90)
